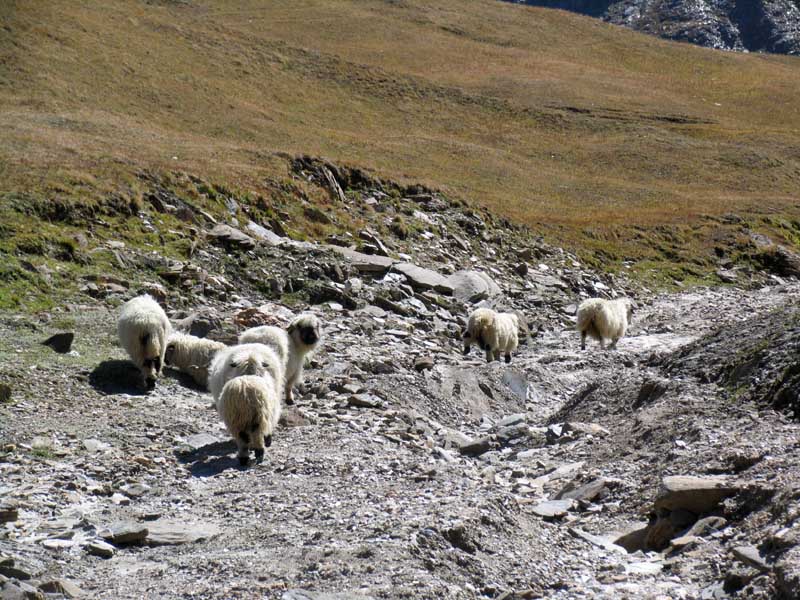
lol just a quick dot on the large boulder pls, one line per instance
(424, 279)
(228, 236)
(473, 286)
(264, 234)
(699, 495)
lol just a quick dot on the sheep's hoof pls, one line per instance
(289, 400)
(267, 441)
(466, 351)
(508, 358)
(244, 461)
(259, 452)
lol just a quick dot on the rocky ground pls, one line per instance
(406, 470)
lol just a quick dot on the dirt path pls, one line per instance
(364, 492)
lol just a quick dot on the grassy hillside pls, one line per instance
(616, 143)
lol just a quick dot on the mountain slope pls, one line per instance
(750, 25)
(574, 127)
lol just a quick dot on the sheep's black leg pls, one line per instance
(583, 340)
(508, 357)
(289, 395)
(243, 453)
(268, 440)
(259, 452)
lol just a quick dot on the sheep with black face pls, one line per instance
(494, 332)
(603, 319)
(191, 355)
(143, 328)
(294, 345)
(246, 383)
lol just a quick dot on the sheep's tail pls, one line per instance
(585, 320)
(253, 435)
(587, 323)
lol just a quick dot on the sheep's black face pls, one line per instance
(309, 335)
(467, 341)
(168, 354)
(150, 370)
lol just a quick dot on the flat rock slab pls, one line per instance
(100, 548)
(200, 440)
(699, 495)
(597, 540)
(365, 263)
(644, 568)
(424, 363)
(264, 234)
(364, 401)
(750, 556)
(587, 492)
(553, 509)
(121, 534)
(473, 286)
(585, 429)
(423, 279)
(478, 447)
(173, 533)
(64, 587)
(231, 236)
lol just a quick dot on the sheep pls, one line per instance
(494, 333)
(246, 383)
(192, 355)
(274, 337)
(604, 319)
(245, 359)
(250, 407)
(143, 328)
(292, 345)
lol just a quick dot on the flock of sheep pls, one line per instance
(249, 381)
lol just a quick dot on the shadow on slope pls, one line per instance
(116, 377)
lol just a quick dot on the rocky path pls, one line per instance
(404, 471)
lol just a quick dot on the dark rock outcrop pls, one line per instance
(742, 25)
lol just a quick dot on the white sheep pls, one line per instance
(143, 328)
(293, 345)
(246, 383)
(274, 337)
(191, 355)
(604, 319)
(250, 406)
(245, 359)
(494, 333)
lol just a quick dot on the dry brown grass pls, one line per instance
(558, 121)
